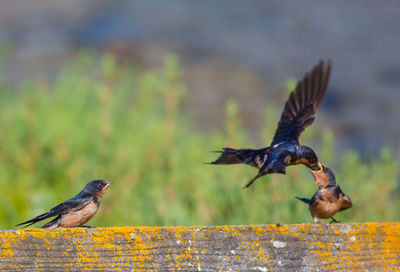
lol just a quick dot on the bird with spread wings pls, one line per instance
(285, 148)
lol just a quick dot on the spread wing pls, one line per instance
(75, 203)
(302, 103)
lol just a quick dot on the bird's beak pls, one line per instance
(108, 184)
(317, 171)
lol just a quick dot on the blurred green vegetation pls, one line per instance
(97, 120)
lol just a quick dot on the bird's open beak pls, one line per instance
(316, 171)
(108, 184)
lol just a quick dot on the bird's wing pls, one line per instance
(316, 197)
(73, 204)
(335, 191)
(302, 104)
(76, 203)
(330, 193)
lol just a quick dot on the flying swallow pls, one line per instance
(329, 199)
(285, 148)
(76, 211)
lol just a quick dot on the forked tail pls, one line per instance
(305, 200)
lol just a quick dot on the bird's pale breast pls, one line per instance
(323, 209)
(79, 217)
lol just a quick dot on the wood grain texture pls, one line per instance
(305, 247)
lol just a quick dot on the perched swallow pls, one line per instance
(285, 148)
(328, 199)
(76, 211)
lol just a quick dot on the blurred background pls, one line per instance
(139, 92)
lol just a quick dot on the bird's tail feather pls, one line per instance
(305, 200)
(53, 223)
(36, 219)
(233, 156)
(30, 223)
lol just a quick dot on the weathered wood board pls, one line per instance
(305, 247)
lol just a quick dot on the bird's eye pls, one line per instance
(99, 186)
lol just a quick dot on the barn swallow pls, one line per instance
(328, 199)
(285, 148)
(76, 211)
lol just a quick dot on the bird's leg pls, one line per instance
(254, 179)
(334, 221)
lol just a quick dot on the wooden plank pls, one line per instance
(305, 247)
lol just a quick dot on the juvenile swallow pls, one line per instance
(329, 199)
(285, 148)
(76, 211)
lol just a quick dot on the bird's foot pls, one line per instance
(334, 221)
(87, 227)
(252, 180)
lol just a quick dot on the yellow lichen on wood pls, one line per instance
(304, 247)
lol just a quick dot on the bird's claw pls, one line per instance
(334, 221)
